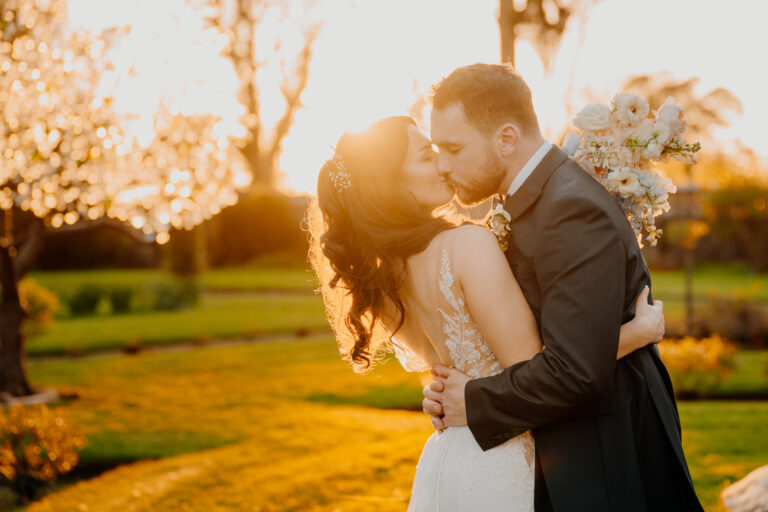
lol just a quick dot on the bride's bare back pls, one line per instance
(463, 307)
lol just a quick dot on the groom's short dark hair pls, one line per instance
(491, 95)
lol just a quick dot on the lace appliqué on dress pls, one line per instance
(468, 349)
(408, 359)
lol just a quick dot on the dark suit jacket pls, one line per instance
(579, 265)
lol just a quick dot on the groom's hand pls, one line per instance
(448, 391)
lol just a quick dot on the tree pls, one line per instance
(240, 20)
(703, 112)
(542, 22)
(67, 164)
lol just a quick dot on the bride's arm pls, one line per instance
(502, 314)
(647, 327)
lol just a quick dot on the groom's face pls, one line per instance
(466, 158)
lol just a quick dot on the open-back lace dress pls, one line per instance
(454, 474)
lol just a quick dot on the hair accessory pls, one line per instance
(340, 177)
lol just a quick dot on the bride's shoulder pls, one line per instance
(470, 237)
(464, 244)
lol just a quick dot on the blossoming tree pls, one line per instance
(66, 159)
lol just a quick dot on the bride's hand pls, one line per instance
(647, 327)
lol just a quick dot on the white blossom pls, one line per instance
(593, 117)
(671, 114)
(630, 109)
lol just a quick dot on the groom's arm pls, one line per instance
(580, 266)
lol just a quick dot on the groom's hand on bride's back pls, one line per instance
(444, 398)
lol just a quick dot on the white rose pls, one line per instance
(671, 114)
(593, 117)
(624, 182)
(630, 108)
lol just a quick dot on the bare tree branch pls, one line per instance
(293, 94)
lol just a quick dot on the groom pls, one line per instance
(607, 432)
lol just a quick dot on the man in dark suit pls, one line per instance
(607, 432)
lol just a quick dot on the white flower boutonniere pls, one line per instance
(499, 223)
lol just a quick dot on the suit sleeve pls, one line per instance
(580, 267)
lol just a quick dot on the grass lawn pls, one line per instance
(711, 279)
(252, 277)
(217, 316)
(749, 376)
(725, 279)
(288, 427)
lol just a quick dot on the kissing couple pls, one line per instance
(548, 390)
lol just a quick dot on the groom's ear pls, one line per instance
(506, 139)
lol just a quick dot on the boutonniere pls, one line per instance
(499, 223)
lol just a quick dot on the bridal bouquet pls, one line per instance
(618, 146)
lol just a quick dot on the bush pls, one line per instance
(120, 297)
(41, 305)
(178, 294)
(37, 445)
(739, 319)
(85, 300)
(697, 366)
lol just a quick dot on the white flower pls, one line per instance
(593, 117)
(661, 131)
(498, 222)
(630, 108)
(617, 157)
(652, 151)
(625, 183)
(643, 133)
(671, 114)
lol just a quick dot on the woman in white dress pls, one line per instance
(398, 272)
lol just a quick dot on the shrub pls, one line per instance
(85, 299)
(120, 297)
(697, 366)
(37, 445)
(41, 305)
(739, 319)
(178, 294)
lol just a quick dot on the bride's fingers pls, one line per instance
(432, 395)
(437, 385)
(437, 423)
(431, 407)
(643, 297)
(441, 370)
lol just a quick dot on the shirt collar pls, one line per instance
(528, 168)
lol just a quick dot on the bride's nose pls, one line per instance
(444, 168)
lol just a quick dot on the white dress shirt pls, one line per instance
(528, 168)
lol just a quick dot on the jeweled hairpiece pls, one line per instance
(340, 177)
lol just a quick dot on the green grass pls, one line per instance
(719, 279)
(710, 279)
(723, 441)
(217, 316)
(253, 277)
(258, 409)
(750, 375)
(259, 278)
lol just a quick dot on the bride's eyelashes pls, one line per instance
(428, 154)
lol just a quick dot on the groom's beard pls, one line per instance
(485, 183)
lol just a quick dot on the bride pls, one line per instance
(398, 270)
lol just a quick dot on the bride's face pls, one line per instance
(421, 176)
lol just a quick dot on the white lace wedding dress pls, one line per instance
(454, 474)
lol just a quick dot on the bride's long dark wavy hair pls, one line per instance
(360, 237)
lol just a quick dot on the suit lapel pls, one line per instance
(520, 201)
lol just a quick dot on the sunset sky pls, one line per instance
(371, 55)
